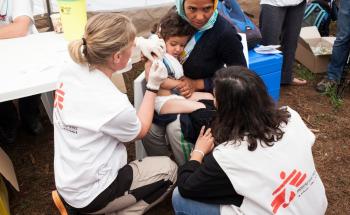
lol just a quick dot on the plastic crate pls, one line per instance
(268, 67)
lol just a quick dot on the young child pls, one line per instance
(176, 32)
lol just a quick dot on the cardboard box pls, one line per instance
(314, 51)
(8, 172)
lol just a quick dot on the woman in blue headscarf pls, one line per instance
(215, 44)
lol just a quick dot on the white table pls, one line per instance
(30, 65)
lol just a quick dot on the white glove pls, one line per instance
(157, 74)
(154, 45)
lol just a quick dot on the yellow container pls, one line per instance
(73, 18)
(4, 201)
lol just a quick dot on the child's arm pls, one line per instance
(168, 84)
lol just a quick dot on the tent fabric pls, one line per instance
(40, 6)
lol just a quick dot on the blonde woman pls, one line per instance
(92, 120)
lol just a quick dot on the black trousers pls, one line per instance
(281, 25)
(28, 111)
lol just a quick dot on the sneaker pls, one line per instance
(322, 86)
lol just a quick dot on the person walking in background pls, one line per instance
(256, 159)
(16, 20)
(280, 23)
(93, 120)
(341, 49)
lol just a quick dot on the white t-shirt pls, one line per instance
(11, 9)
(281, 179)
(91, 120)
(281, 3)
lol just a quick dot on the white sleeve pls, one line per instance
(22, 8)
(125, 126)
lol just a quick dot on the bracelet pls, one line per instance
(151, 90)
(199, 151)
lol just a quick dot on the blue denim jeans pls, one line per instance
(184, 206)
(341, 45)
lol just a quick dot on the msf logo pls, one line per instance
(59, 97)
(287, 191)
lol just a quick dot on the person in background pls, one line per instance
(215, 44)
(93, 120)
(176, 32)
(280, 23)
(341, 49)
(256, 159)
(16, 20)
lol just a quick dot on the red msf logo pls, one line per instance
(59, 97)
(286, 192)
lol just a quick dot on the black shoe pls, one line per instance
(33, 126)
(8, 135)
(325, 84)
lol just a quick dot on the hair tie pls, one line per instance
(84, 41)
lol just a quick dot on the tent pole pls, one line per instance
(48, 7)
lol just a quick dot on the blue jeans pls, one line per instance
(341, 45)
(184, 206)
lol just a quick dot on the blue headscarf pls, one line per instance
(181, 11)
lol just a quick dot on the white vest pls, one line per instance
(281, 3)
(281, 179)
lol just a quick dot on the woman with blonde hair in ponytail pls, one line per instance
(93, 120)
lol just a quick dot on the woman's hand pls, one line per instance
(148, 65)
(157, 74)
(204, 145)
(151, 47)
(186, 87)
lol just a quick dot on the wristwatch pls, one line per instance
(151, 90)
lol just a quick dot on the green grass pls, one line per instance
(335, 100)
(304, 73)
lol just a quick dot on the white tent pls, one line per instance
(144, 13)
(40, 6)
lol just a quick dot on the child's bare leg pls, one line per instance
(180, 106)
(201, 95)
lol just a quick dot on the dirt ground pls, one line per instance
(33, 156)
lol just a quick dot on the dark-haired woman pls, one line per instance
(262, 161)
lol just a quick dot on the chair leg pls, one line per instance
(58, 202)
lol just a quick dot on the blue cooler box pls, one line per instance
(268, 67)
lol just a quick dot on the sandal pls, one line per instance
(298, 82)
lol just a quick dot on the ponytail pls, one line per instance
(75, 51)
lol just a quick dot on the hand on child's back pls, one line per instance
(205, 141)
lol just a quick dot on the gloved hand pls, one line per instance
(157, 74)
(150, 47)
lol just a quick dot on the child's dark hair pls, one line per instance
(244, 109)
(173, 25)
